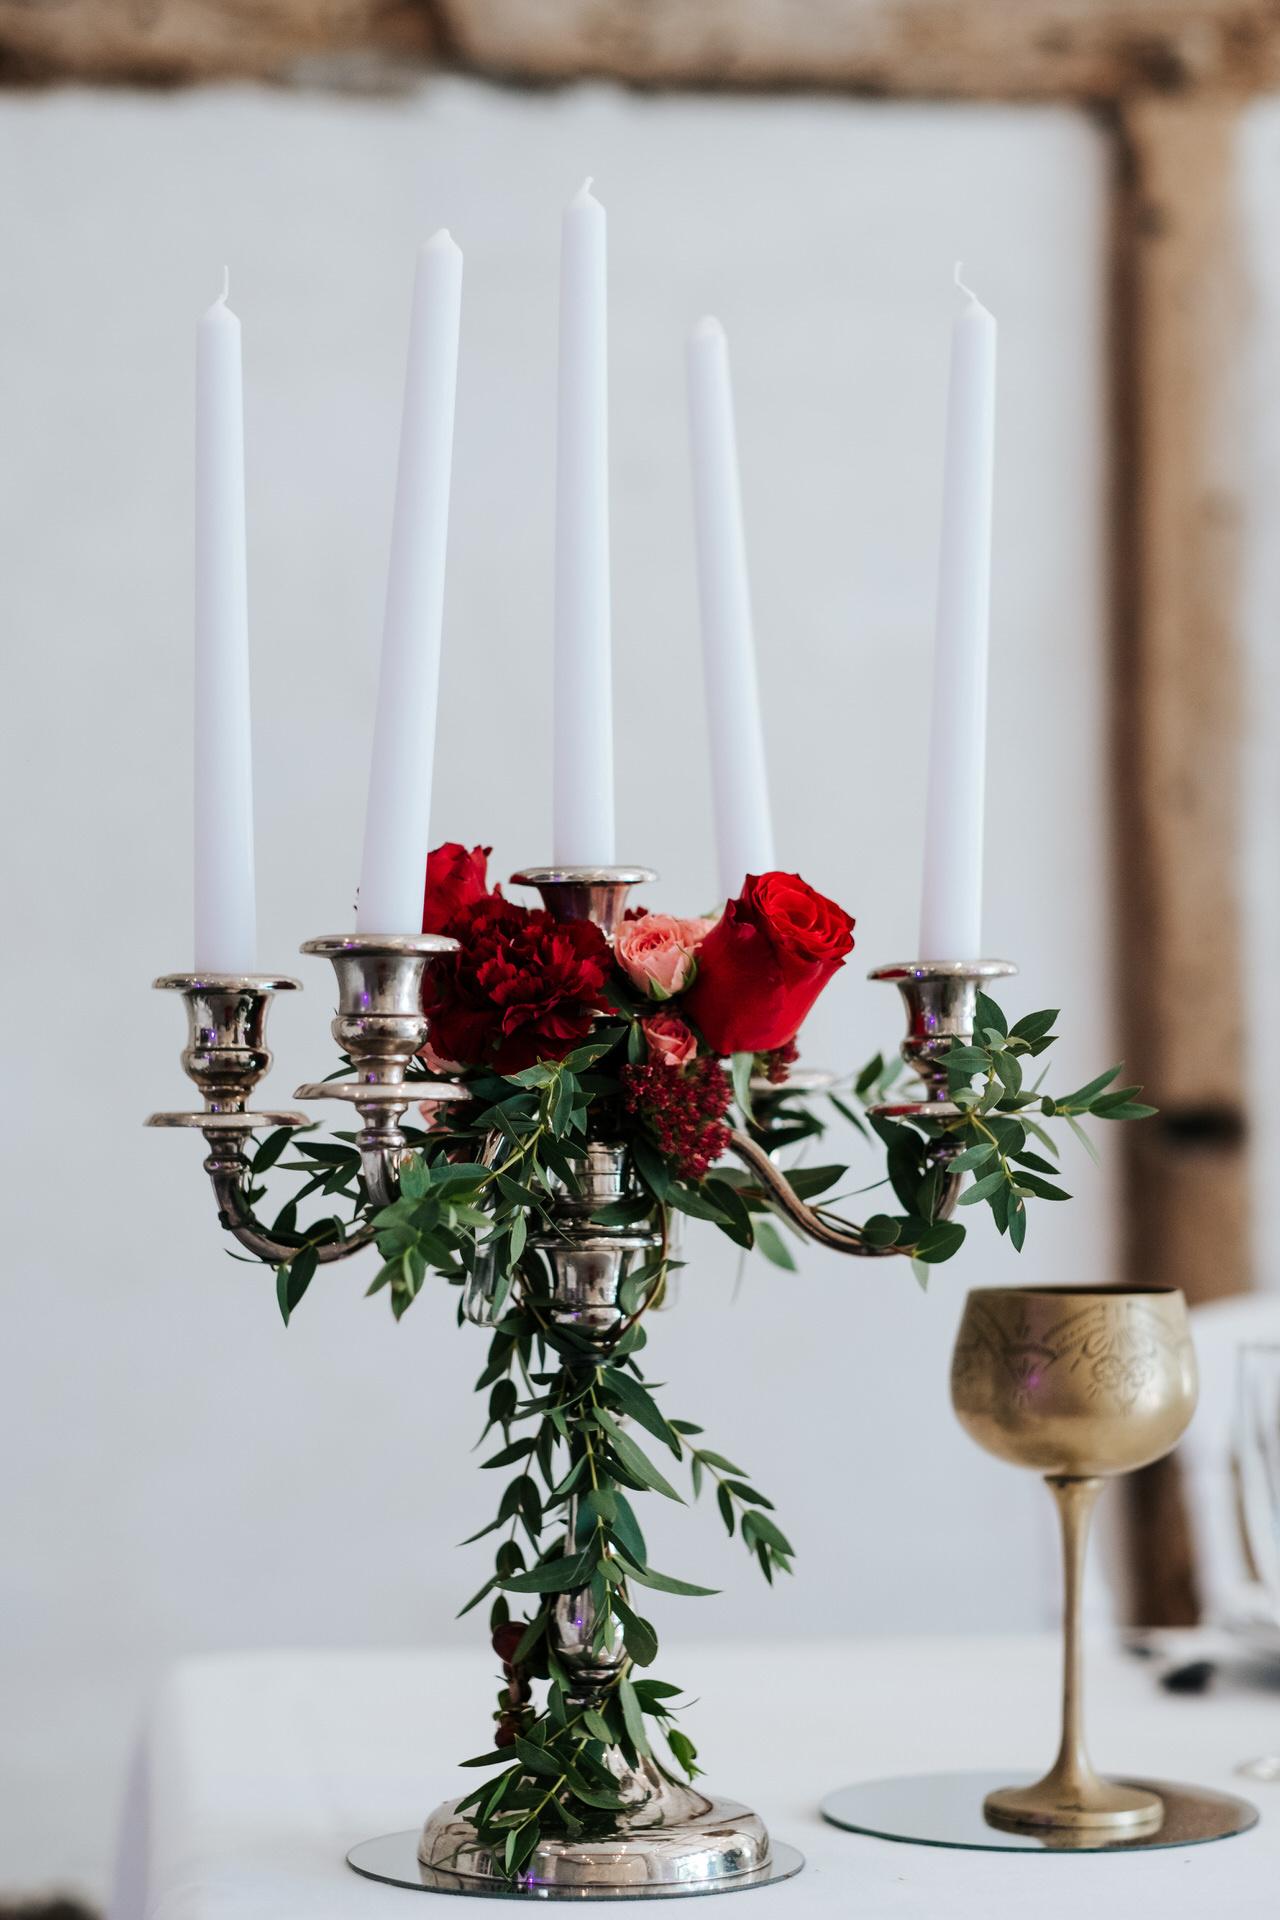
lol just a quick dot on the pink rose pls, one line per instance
(436, 1062)
(671, 1042)
(659, 953)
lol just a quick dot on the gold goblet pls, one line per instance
(1080, 1384)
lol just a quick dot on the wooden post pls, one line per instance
(1178, 500)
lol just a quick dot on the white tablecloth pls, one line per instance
(258, 1771)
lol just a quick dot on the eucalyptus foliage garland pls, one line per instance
(557, 1408)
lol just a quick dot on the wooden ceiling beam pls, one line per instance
(177, 42)
(1083, 50)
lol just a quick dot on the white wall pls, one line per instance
(178, 1471)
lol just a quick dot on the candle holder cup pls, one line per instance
(381, 1028)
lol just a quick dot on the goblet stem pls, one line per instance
(1075, 1501)
(1072, 1797)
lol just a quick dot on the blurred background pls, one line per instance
(179, 1472)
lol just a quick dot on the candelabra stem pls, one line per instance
(667, 1837)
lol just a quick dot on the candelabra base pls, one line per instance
(682, 1842)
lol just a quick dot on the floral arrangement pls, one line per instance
(557, 1037)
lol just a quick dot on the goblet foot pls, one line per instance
(1075, 1804)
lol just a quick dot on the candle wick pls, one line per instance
(225, 295)
(967, 291)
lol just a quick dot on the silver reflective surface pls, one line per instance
(945, 1810)
(393, 1859)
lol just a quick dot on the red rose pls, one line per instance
(523, 987)
(456, 879)
(765, 962)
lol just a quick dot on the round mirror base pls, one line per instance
(949, 1810)
(393, 1859)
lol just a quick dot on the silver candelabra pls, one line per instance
(669, 1838)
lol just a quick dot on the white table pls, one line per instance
(259, 1771)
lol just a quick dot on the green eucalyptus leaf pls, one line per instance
(667, 1583)
(625, 1529)
(742, 1068)
(538, 1760)
(983, 1189)
(684, 1752)
(1043, 1189)
(882, 1230)
(293, 1280)
(635, 1460)
(1083, 1095)
(638, 1403)
(974, 1159)
(564, 1575)
(870, 1075)
(651, 1167)
(772, 1245)
(638, 1636)
(271, 1149)
(633, 1716)
(938, 1242)
(1034, 1026)
(990, 1015)
(1084, 1139)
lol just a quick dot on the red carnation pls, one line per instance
(765, 962)
(523, 986)
(456, 879)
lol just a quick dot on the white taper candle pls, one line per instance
(951, 900)
(583, 810)
(397, 829)
(740, 785)
(225, 915)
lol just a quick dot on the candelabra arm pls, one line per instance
(941, 998)
(841, 1236)
(228, 1169)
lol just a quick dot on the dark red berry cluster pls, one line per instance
(778, 1064)
(683, 1108)
(514, 1699)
